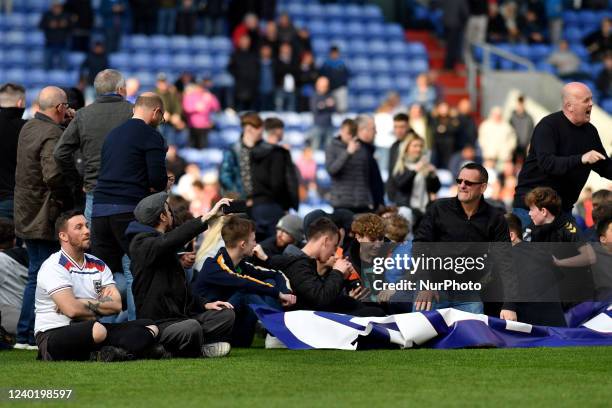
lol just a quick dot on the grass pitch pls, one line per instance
(542, 377)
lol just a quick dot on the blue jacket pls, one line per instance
(219, 279)
(229, 172)
(133, 162)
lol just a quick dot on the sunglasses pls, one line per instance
(467, 182)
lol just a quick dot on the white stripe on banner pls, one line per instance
(601, 323)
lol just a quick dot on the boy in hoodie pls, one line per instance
(229, 277)
(161, 291)
(549, 225)
(324, 291)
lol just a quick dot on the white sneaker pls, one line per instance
(21, 346)
(274, 343)
(219, 349)
(30, 347)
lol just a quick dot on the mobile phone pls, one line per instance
(235, 207)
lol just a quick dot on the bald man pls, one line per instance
(41, 194)
(132, 166)
(564, 148)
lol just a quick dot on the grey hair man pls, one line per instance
(89, 128)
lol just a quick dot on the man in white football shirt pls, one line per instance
(73, 290)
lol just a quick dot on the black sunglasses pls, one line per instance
(467, 182)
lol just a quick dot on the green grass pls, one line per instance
(543, 377)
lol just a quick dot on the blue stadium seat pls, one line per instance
(606, 105)
(334, 12)
(363, 83)
(59, 77)
(380, 65)
(359, 65)
(336, 28)
(36, 58)
(398, 48)
(223, 80)
(159, 43)
(372, 12)
(546, 67)
(147, 80)
(314, 11)
(161, 61)
(37, 5)
(200, 43)
(378, 47)
(138, 42)
(37, 78)
(539, 52)
(33, 19)
(317, 28)
(75, 59)
(581, 51)
(220, 63)
(179, 44)
(506, 65)
(393, 32)
(15, 21)
(15, 58)
(320, 46)
(182, 62)
(15, 39)
(357, 47)
(230, 136)
(367, 103)
(570, 18)
(403, 83)
(141, 60)
(35, 39)
(418, 66)
(120, 60)
(375, 30)
(295, 10)
(353, 12)
(572, 34)
(356, 29)
(202, 62)
(416, 49)
(340, 43)
(385, 83)
(221, 45)
(401, 65)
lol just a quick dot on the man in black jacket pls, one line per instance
(90, 126)
(564, 148)
(466, 218)
(316, 291)
(160, 289)
(12, 106)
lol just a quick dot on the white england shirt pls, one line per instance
(60, 272)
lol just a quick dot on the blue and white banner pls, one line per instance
(445, 329)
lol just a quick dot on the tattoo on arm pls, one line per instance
(105, 299)
(93, 306)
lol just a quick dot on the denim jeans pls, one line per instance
(266, 215)
(56, 56)
(6, 209)
(88, 207)
(38, 252)
(523, 215)
(464, 305)
(246, 319)
(166, 21)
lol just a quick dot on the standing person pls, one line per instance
(114, 14)
(401, 130)
(161, 290)
(446, 134)
(465, 218)
(56, 25)
(496, 137)
(89, 129)
(166, 17)
(413, 181)
(40, 195)
(285, 75)
(12, 107)
(565, 147)
(522, 122)
(323, 106)
(454, 17)
(95, 62)
(198, 104)
(173, 129)
(132, 166)
(74, 290)
(476, 28)
(306, 77)
(243, 66)
(265, 97)
(338, 73)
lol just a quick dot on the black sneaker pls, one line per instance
(109, 354)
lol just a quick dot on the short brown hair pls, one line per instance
(322, 226)
(352, 125)
(251, 118)
(236, 229)
(601, 196)
(396, 227)
(273, 123)
(514, 224)
(544, 197)
(369, 225)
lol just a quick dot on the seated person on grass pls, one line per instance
(228, 277)
(315, 291)
(189, 327)
(73, 290)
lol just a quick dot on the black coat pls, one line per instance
(10, 126)
(161, 291)
(274, 176)
(244, 67)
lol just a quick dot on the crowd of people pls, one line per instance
(117, 266)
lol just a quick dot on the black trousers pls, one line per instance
(185, 337)
(75, 341)
(108, 240)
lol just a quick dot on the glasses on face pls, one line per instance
(64, 104)
(163, 120)
(467, 182)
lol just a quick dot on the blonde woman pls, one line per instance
(413, 181)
